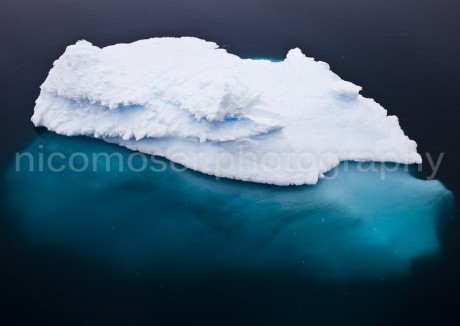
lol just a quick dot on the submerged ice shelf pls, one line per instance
(282, 123)
(352, 225)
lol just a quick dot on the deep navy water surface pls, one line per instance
(85, 248)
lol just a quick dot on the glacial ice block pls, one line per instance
(190, 101)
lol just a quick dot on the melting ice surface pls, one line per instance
(355, 224)
(285, 122)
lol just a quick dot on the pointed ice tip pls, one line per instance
(296, 56)
(293, 53)
(83, 43)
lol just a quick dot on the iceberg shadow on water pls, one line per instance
(353, 224)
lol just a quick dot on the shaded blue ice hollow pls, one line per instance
(352, 225)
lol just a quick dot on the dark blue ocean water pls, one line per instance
(124, 247)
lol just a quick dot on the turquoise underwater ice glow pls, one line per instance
(354, 224)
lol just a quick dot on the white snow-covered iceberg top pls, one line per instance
(282, 123)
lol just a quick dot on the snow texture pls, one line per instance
(186, 99)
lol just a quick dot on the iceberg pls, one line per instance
(277, 122)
